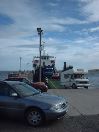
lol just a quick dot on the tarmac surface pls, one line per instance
(83, 114)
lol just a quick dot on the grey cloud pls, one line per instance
(79, 54)
(90, 10)
(26, 46)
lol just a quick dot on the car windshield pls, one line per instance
(26, 81)
(77, 76)
(24, 89)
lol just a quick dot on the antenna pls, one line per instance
(20, 63)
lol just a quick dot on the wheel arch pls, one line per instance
(34, 107)
(74, 84)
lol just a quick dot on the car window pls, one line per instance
(24, 89)
(5, 90)
(66, 76)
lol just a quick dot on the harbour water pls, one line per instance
(93, 78)
(4, 74)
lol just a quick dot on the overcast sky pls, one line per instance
(70, 32)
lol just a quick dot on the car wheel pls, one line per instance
(34, 117)
(74, 86)
(65, 87)
(86, 87)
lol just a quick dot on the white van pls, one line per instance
(74, 78)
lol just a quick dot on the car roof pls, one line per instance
(13, 82)
(17, 78)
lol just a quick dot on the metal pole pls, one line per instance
(40, 50)
(40, 71)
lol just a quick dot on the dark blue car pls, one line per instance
(20, 99)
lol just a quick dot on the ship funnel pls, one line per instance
(64, 68)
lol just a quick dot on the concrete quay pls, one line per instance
(81, 101)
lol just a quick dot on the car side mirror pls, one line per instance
(14, 95)
(39, 90)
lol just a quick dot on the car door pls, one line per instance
(8, 103)
(67, 79)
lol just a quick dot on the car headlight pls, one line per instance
(56, 107)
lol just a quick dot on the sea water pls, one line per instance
(93, 78)
(4, 75)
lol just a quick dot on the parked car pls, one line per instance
(38, 85)
(19, 99)
(56, 76)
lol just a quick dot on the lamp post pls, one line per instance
(39, 30)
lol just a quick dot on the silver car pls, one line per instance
(20, 99)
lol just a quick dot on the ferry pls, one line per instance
(47, 65)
